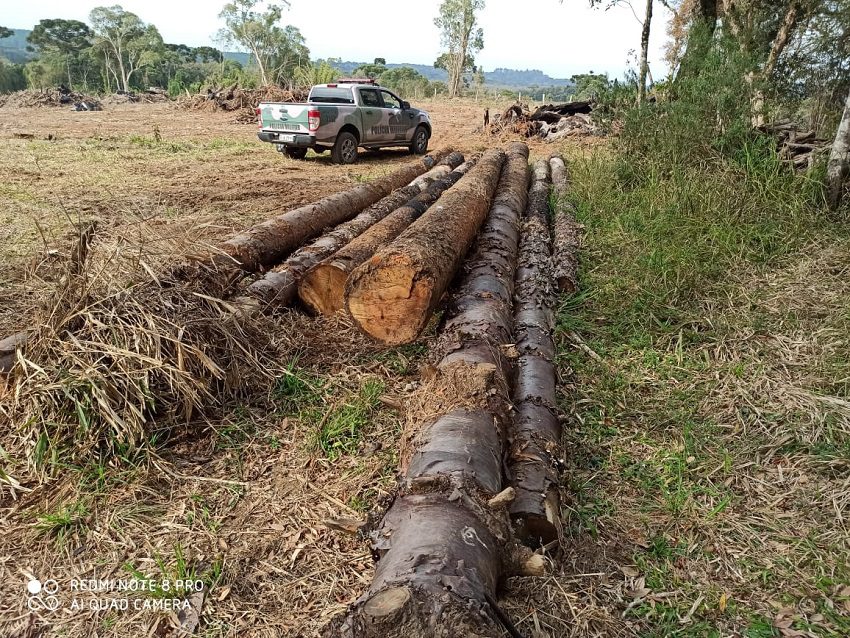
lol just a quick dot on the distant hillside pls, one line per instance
(14, 48)
(500, 78)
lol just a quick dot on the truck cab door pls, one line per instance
(401, 122)
(371, 110)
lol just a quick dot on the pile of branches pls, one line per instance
(149, 96)
(801, 149)
(235, 98)
(119, 352)
(550, 121)
(60, 96)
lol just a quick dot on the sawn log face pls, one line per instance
(392, 295)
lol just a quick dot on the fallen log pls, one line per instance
(392, 295)
(535, 431)
(445, 542)
(279, 286)
(269, 241)
(322, 288)
(566, 230)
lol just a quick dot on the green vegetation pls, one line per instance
(708, 431)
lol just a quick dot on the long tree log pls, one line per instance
(567, 232)
(278, 286)
(445, 542)
(536, 431)
(322, 288)
(392, 295)
(269, 241)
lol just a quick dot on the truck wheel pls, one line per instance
(345, 149)
(295, 152)
(419, 143)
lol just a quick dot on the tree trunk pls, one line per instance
(279, 286)
(392, 296)
(567, 231)
(445, 543)
(323, 288)
(783, 36)
(644, 53)
(838, 164)
(536, 432)
(269, 241)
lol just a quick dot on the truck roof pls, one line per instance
(348, 84)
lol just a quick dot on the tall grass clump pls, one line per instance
(689, 192)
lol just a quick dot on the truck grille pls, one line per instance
(282, 126)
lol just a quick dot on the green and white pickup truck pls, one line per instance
(342, 116)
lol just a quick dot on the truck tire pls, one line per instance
(419, 143)
(345, 149)
(295, 152)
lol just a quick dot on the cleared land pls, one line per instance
(704, 395)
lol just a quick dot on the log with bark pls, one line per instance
(278, 287)
(567, 232)
(392, 295)
(535, 432)
(322, 288)
(268, 242)
(445, 542)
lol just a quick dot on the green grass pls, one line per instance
(64, 522)
(680, 296)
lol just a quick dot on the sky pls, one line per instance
(561, 38)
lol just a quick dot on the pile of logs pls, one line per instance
(479, 495)
(800, 148)
(61, 96)
(550, 121)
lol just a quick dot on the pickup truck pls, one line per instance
(342, 116)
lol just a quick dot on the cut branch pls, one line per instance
(392, 296)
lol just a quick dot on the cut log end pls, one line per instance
(387, 605)
(394, 304)
(322, 289)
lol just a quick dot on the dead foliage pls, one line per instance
(115, 348)
(550, 122)
(235, 98)
(47, 97)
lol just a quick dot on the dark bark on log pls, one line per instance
(567, 232)
(536, 431)
(322, 288)
(268, 242)
(279, 286)
(392, 295)
(445, 542)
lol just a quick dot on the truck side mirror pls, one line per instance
(405, 104)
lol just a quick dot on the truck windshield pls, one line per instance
(327, 95)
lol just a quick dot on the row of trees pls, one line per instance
(117, 51)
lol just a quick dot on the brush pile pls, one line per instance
(235, 98)
(800, 148)
(149, 96)
(60, 96)
(550, 121)
(119, 347)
